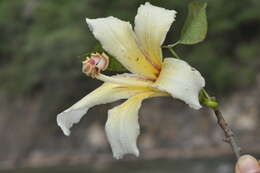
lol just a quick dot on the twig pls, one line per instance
(174, 53)
(228, 133)
(210, 102)
(171, 45)
(170, 48)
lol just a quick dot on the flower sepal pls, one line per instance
(206, 100)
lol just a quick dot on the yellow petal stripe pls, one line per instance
(151, 26)
(126, 79)
(106, 93)
(118, 39)
(122, 127)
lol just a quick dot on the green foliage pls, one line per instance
(36, 45)
(195, 27)
(41, 40)
(115, 66)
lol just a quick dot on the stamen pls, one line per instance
(123, 80)
(95, 64)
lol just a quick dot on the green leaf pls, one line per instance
(96, 49)
(113, 66)
(195, 26)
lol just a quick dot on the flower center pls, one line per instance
(97, 62)
(94, 64)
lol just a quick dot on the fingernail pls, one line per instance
(248, 164)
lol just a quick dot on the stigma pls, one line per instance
(94, 64)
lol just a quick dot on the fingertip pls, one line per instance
(247, 164)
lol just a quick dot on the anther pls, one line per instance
(94, 64)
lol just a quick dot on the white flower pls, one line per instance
(151, 75)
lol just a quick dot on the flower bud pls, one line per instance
(94, 64)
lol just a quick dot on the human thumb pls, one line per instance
(247, 164)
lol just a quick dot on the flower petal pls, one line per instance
(122, 127)
(118, 39)
(106, 93)
(180, 80)
(151, 26)
(127, 79)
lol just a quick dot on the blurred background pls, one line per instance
(40, 74)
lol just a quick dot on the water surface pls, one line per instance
(200, 165)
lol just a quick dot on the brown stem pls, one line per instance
(228, 133)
